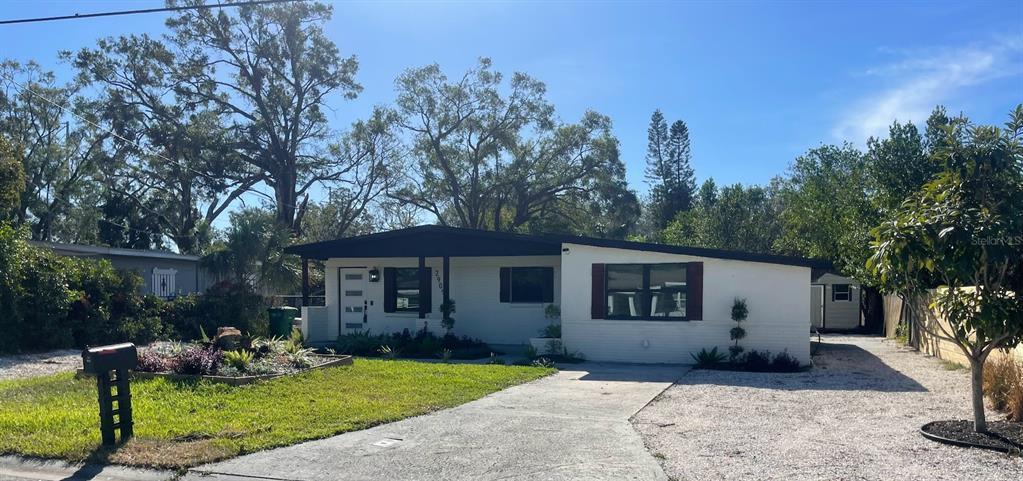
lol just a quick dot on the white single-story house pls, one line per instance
(619, 300)
(834, 303)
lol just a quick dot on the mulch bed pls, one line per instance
(1002, 436)
(327, 361)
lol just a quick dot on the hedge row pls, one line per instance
(48, 302)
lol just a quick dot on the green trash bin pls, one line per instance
(281, 319)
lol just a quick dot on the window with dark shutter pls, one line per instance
(597, 294)
(425, 290)
(694, 287)
(505, 284)
(390, 290)
(667, 291)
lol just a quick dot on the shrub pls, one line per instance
(152, 361)
(48, 301)
(708, 359)
(423, 345)
(240, 359)
(203, 360)
(542, 362)
(756, 361)
(387, 353)
(783, 362)
(1003, 385)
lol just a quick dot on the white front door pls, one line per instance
(353, 298)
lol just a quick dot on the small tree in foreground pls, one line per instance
(962, 231)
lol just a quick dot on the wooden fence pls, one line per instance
(899, 311)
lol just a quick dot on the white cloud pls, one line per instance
(923, 79)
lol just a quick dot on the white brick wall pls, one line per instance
(475, 287)
(778, 297)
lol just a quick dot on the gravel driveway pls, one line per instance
(854, 416)
(39, 364)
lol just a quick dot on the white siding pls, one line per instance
(778, 297)
(475, 287)
(840, 314)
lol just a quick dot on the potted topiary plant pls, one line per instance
(550, 335)
(447, 308)
(739, 313)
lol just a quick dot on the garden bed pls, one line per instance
(327, 361)
(1003, 436)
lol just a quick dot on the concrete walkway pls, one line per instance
(573, 425)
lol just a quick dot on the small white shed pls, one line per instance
(835, 303)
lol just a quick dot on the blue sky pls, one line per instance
(757, 82)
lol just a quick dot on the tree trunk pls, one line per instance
(977, 383)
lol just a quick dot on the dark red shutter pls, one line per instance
(425, 290)
(598, 297)
(694, 291)
(548, 284)
(506, 284)
(390, 289)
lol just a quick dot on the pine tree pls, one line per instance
(668, 173)
(679, 179)
(656, 150)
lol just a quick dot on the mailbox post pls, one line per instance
(103, 361)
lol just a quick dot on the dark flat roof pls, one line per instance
(439, 241)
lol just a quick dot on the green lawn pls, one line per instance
(180, 424)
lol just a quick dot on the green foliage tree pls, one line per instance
(737, 218)
(826, 212)
(61, 159)
(177, 165)
(270, 69)
(370, 157)
(963, 230)
(12, 180)
(251, 253)
(490, 160)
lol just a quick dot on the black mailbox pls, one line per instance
(110, 364)
(109, 358)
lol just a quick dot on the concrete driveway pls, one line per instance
(573, 425)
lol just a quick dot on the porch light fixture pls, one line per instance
(374, 275)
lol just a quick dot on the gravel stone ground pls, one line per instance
(854, 416)
(39, 364)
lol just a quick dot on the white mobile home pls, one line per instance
(620, 301)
